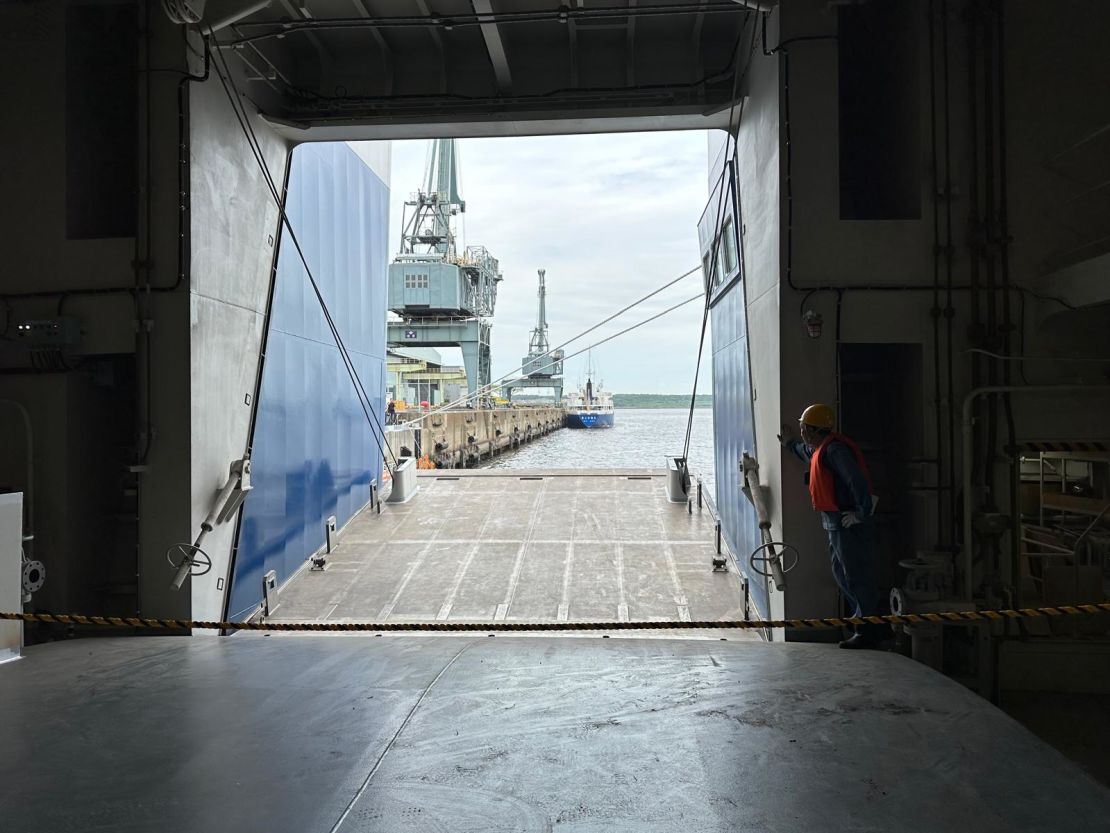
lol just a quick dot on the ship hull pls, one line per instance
(589, 420)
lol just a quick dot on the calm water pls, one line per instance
(640, 438)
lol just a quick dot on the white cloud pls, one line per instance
(610, 217)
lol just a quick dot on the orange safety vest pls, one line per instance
(822, 482)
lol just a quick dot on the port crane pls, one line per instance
(444, 298)
(542, 367)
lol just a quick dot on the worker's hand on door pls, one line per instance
(849, 519)
(787, 435)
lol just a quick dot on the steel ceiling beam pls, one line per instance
(699, 21)
(630, 46)
(437, 38)
(572, 41)
(494, 45)
(387, 53)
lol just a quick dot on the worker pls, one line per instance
(390, 412)
(840, 489)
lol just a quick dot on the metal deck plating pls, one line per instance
(524, 546)
(412, 733)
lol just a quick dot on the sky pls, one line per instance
(610, 217)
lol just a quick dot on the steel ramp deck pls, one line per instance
(523, 546)
(431, 733)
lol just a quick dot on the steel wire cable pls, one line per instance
(717, 241)
(232, 93)
(604, 340)
(260, 159)
(364, 398)
(487, 388)
(635, 326)
(484, 389)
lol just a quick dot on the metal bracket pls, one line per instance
(228, 501)
(269, 593)
(239, 475)
(759, 496)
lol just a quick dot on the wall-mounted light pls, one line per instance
(813, 322)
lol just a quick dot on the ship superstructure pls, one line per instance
(590, 406)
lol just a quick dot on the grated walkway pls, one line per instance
(523, 546)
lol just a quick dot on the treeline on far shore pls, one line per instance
(660, 400)
(640, 400)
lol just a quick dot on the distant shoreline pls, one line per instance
(641, 400)
(660, 400)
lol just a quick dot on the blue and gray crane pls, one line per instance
(444, 298)
(542, 367)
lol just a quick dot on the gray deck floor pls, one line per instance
(325, 734)
(523, 546)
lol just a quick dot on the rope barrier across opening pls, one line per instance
(959, 616)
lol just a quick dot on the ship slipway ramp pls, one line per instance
(430, 733)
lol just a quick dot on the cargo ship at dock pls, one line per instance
(589, 407)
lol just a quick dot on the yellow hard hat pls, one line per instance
(818, 416)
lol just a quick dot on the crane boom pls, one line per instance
(538, 344)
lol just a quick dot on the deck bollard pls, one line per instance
(405, 484)
(676, 480)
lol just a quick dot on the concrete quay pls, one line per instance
(462, 439)
(523, 546)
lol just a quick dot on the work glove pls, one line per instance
(850, 519)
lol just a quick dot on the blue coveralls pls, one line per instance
(852, 549)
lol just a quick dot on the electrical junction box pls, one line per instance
(49, 332)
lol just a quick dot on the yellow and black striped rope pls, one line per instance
(1080, 447)
(493, 627)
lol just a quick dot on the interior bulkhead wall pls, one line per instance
(142, 224)
(924, 188)
(95, 324)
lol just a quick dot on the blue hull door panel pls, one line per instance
(733, 417)
(313, 454)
